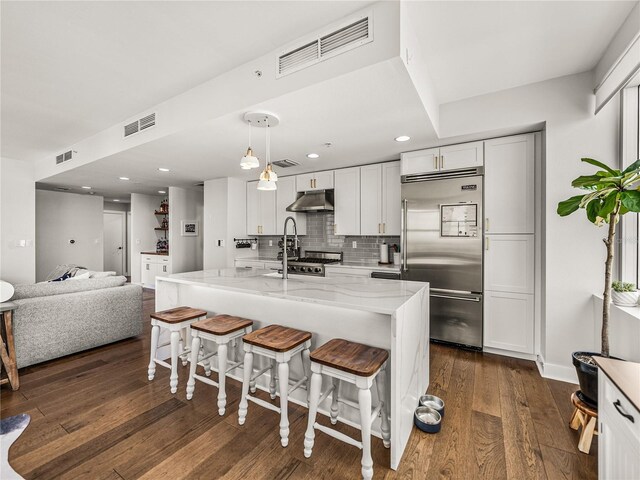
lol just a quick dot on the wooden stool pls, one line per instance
(587, 417)
(7, 348)
(357, 364)
(279, 344)
(177, 321)
(221, 330)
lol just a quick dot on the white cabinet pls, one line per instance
(509, 263)
(261, 210)
(509, 321)
(285, 196)
(509, 184)
(619, 437)
(380, 199)
(251, 263)
(152, 266)
(315, 181)
(347, 202)
(452, 157)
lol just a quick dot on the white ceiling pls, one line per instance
(474, 48)
(72, 69)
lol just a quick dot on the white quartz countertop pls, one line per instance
(361, 293)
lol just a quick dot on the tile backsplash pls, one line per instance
(320, 237)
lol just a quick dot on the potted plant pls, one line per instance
(609, 194)
(624, 294)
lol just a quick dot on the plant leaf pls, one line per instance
(631, 200)
(587, 181)
(609, 204)
(567, 207)
(601, 165)
(593, 208)
(634, 166)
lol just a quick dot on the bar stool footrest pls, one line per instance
(162, 363)
(338, 435)
(206, 380)
(264, 404)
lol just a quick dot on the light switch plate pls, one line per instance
(354, 244)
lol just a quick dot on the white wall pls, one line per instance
(185, 252)
(61, 217)
(224, 219)
(574, 252)
(17, 222)
(143, 235)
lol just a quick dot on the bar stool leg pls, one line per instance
(183, 346)
(364, 399)
(272, 380)
(175, 345)
(283, 380)
(314, 397)
(207, 364)
(222, 377)
(244, 403)
(306, 365)
(384, 411)
(335, 406)
(191, 384)
(155, 334)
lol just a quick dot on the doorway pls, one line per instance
(115, 242)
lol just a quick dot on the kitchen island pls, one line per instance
(383, 313)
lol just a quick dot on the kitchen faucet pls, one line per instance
(285, 255)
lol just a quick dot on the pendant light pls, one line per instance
(249, 161)
(268, 177)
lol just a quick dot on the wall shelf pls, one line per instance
(160, 229)
(157, 212)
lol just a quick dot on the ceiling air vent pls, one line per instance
(351, 34)
(148, 121)
(139, 125)
(64, 157)
(131, 128)
(286, 163)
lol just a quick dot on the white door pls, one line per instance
(285, 196)
(347, 202)
(421, 161)
(371, 200)
(509, 263)
(114, 242)
(509, 184)
(391, 203)
(508, 321)
(465, 155)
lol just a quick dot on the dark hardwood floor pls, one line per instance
(94, 415)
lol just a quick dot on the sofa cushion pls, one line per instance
(57, 288)
(60, 270)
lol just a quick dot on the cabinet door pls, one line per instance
(323, 180)
(304, 183)
(509, 184)
(347, 202)
(285, 196)
(508, 321)
(465, 155)
(509, 263)
(420, 161)
(371, 200)
(253, 221)
(391, 209)
(148, 276)
(267, 212)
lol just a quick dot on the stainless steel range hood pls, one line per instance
(313, 201)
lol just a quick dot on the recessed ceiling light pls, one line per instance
(162, 169)
(162, 191)
(312, 155)
(402, 138)
(116, 200)
(87, 188)
(123, 178)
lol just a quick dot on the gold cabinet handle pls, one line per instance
(335, 228)
(384, 228)
(486, 224)
(441, 162)
(486, 243)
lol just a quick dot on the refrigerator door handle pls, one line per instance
(464, 299)
(403, 234)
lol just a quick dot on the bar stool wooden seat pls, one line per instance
(221, 330)
(280, 344)
(177, 320)
(586, 417)
(357, 364)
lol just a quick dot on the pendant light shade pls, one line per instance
(249, 160)
(268, 179)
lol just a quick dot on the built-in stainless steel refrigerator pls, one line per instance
(442, 242)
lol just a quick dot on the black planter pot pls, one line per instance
(587, 377)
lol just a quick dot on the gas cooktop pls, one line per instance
(313, 262)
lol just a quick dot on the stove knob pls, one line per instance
(293, 269)
(303, 269)
(318, 270)
(290, 268)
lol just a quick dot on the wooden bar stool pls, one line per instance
(279, 344)
(586, 417)
(357, 364)
(177, 321)
(221, 330)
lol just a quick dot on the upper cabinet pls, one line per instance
(285, 196)
(380, 199)
(315, 181)
(509, 185)
(452, 157)
(347, 202)
(261, 210)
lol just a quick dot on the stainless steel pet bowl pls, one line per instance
(427, 419)
(434, 402)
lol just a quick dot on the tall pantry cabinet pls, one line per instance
(509, 307)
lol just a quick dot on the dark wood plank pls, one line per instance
(277, 338)
(350, 357)
(488, 446)
(486, 394)
(178, 314)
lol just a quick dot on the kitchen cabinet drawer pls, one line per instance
(345, 271)
(508, 321)
(248, 264)
(162, 259)
(509, 263)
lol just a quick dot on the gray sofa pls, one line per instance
(59, 318)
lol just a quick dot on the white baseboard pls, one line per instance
(509, 353)
(557, 372)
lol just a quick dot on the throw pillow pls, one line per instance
(64, 277)
(103, 274)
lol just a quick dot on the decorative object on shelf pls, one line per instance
(162, 246)
(165, 223)
(164, 206)
(610, 194)
(268, 177)
(189, 228)
(624, 294)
